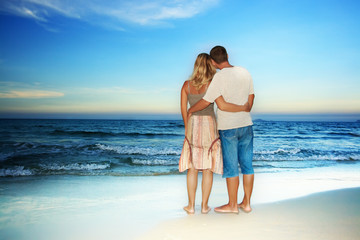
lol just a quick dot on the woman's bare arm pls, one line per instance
(183, 106)
(230, 107)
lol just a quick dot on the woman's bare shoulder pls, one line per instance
(185, 86)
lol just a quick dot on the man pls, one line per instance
(235, 128)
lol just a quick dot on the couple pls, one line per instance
(205, 148)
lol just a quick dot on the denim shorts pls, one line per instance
(237, 148)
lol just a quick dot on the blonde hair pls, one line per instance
(203, 71)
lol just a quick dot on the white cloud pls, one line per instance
(20, 9)
(121, 90)
(30, 94)
(107, 12)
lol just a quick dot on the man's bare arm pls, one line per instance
(230, 107)
(251, 101)
(200, 105)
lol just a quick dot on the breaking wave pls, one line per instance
(149, 151)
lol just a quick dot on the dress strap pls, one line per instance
(189, 87)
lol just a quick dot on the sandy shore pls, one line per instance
(328, 215)
(107, 207)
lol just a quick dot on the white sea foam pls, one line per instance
(15, 172)
(153, 162)
(75, 166)
(326, 157)
(134, 150)
(279, 151)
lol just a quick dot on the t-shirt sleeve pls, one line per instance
(251, 87)
(214, 90)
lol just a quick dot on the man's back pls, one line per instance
(235, 85)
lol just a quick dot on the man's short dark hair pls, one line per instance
(219, 54)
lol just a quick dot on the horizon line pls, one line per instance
(328, 117)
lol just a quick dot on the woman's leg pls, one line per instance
(192, 180)
(207, 181)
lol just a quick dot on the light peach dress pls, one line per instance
(202, 147)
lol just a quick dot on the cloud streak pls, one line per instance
(125, 91)
(30, 94)
(110, 13)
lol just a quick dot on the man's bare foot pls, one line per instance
(226, 209)
(244, 208)
(189, 210)
(205, 210)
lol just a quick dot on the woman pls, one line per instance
(202, 149)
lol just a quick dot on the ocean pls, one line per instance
(153, 147)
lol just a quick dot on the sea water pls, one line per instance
(153, 147)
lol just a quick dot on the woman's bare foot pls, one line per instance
(205, 210)
(226, 209)
(245, 207)
(189, 209)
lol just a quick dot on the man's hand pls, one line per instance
(247, 107)
(200, 105)
(189, 115)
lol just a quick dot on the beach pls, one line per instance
(150, 207)
(328, 215)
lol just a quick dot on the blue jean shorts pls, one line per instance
(237, 148)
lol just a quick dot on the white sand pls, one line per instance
(95, 207)
(329, 215)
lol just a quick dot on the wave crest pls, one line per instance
(139, 150)
(280, 151)
(111, 134)
(75, 166)
(155, 162)
(15, 172)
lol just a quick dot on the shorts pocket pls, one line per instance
(231, 133)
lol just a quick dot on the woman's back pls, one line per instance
(202, 148)
(195, 95)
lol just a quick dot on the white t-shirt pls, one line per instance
(235, 85)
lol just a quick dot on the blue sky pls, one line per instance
(112, 58)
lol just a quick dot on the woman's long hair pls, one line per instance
(203, 71)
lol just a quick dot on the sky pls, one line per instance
(111, 59)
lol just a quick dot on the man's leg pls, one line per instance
(245, 158)
(248, 182)
(191, 180)
(231, 169)
(232, 187)
(207, 181)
